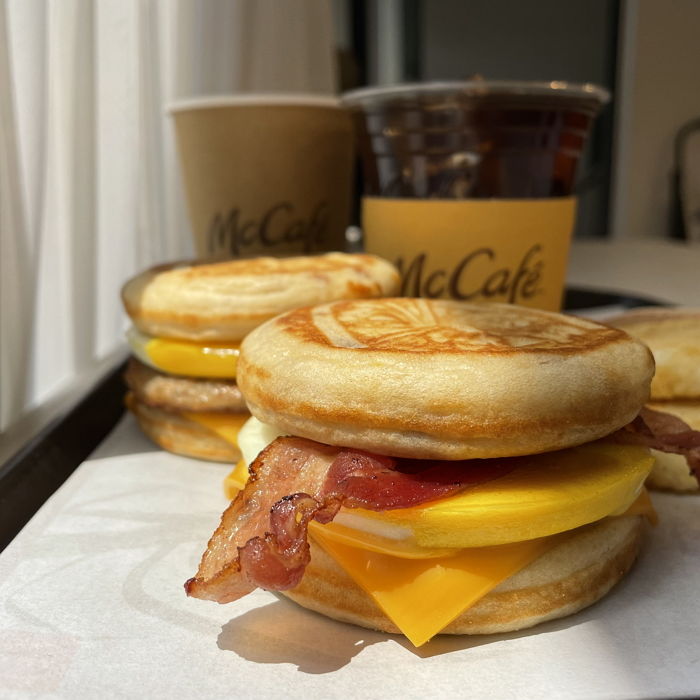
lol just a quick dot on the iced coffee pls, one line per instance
(469, 187)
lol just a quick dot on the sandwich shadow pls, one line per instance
(282, 633)
(448, 643)
(600, 610)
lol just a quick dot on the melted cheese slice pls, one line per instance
(225, 425)
(236, 479)
(642, 506)
(208, 360)
(422, 596)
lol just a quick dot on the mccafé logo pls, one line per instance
(461, 282)
(279, 226)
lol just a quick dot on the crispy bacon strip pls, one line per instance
(664, 432)
(262, 540)
(287, 466)
(363, 480)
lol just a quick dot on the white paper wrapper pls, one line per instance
(92, 606)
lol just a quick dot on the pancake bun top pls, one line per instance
(223, 301)
(673, 336)
(441, 379)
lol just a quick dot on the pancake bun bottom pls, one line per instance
(175, 433)
(673, 336)
(442, 380)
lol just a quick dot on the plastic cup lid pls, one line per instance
(367, 97)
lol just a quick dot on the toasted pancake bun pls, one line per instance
(670, 472)
(442, 380)
(569, 577)
(173, 393)
(175, 433)
(225, 300)
(673, 335)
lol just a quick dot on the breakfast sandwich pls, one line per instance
(188, 322)
(424, 466)
(673, 336)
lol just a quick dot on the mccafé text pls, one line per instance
(510, 284)
(281, 226)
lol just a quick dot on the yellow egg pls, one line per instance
(236, 479)
(546, 494)
(209, 360)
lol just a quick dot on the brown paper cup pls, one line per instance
(469, 187)
(265, 174)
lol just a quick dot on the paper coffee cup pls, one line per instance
(469, 187)
(265, 174)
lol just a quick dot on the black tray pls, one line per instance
(31, 475)
(576, 298)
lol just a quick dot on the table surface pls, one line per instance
(92, 605)
(91, 599)
(661, 271)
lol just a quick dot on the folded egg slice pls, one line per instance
(212, 360)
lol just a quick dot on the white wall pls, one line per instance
(658, 91)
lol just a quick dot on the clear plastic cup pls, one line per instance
(507, 150)
(473, 139)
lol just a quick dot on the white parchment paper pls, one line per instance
(92, 606)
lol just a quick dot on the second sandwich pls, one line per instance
(189, 320)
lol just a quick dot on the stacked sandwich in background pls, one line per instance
(673, 335)
(188, 322)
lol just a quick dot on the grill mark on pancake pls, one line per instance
(225, 300)
(335, 333)
(267, 265)
(417, 326)
(190, 273)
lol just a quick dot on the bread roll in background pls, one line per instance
(673, 336)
